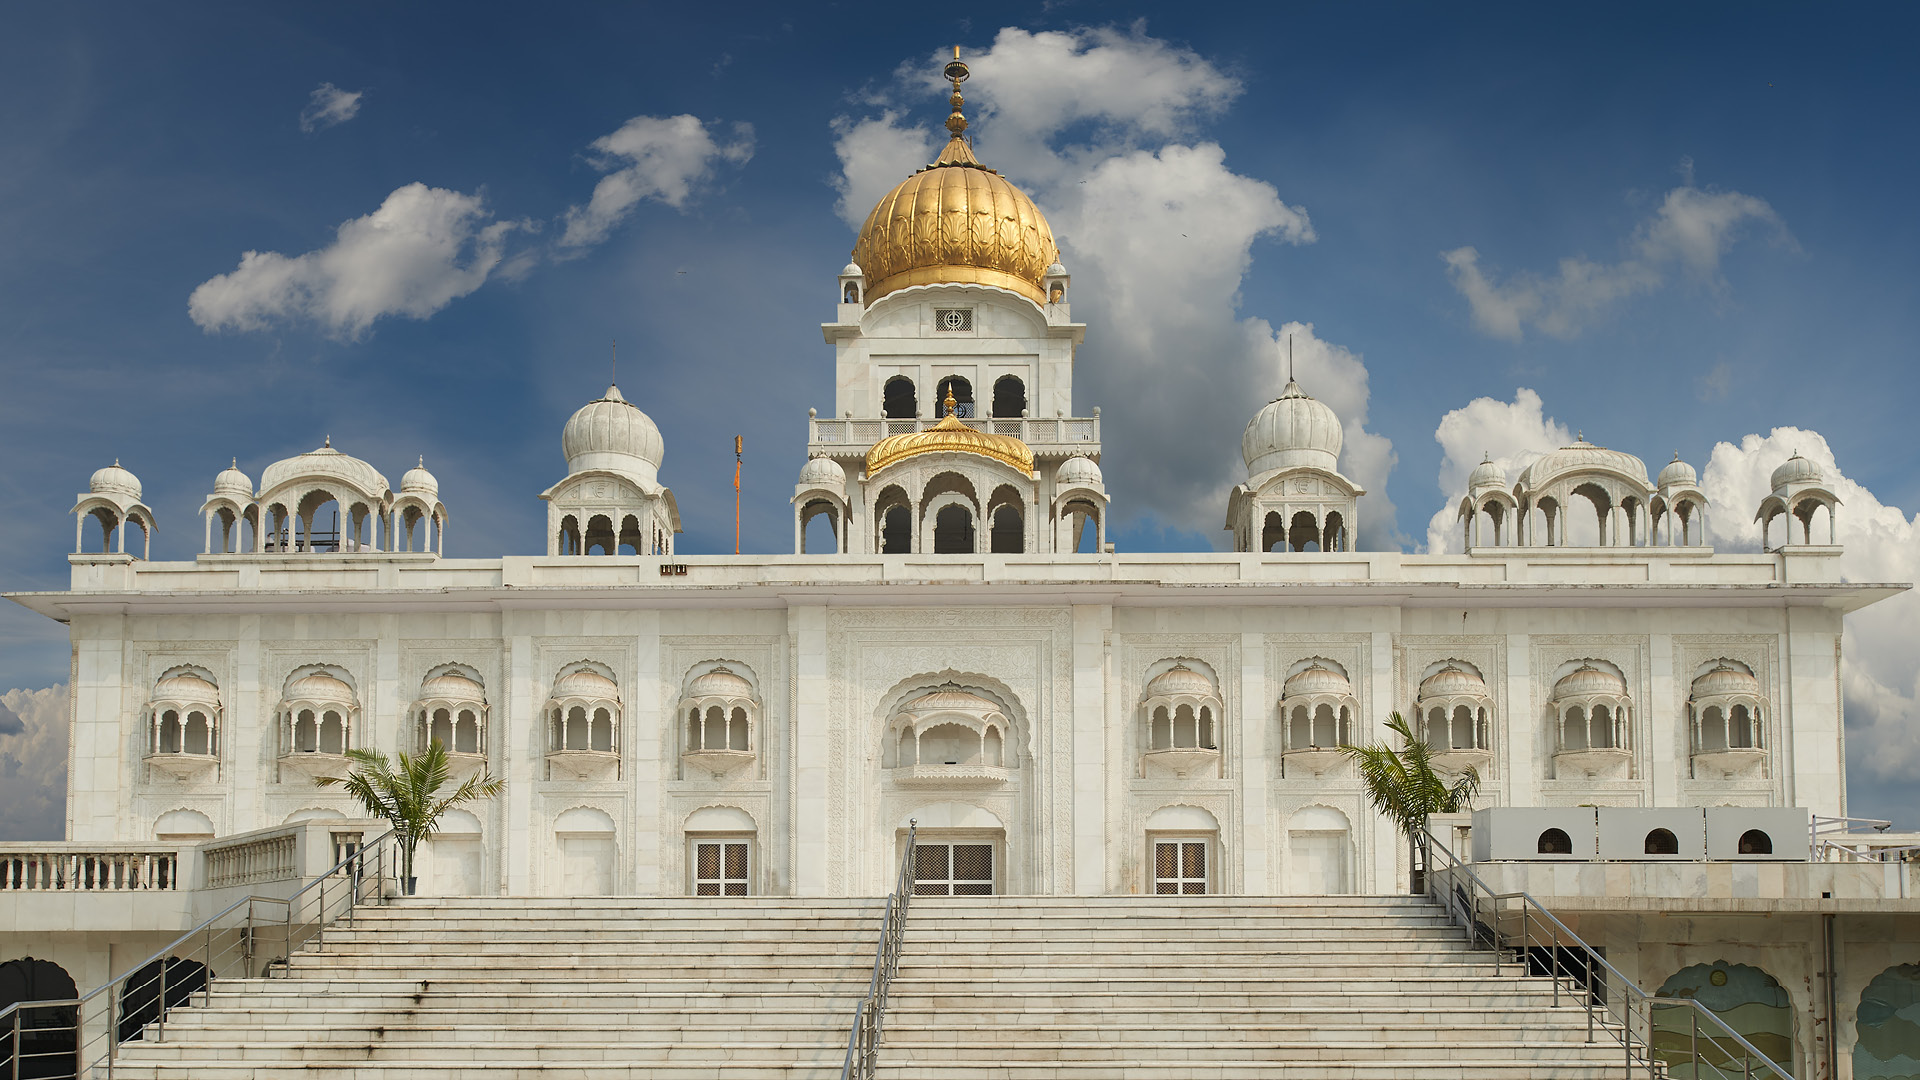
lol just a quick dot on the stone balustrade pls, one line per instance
(1056, 437)
(29, 867)
(255, 859)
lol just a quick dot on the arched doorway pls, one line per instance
(1887, 1026)
(141, 994)
(47, 1044)
(1745, 998)
(1319, 852)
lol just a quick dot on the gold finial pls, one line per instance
(951, 403)
(956, 72)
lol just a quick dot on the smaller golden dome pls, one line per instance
(950, 435)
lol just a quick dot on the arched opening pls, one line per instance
(1437, 730)
(1160, 733)
(47, 1047)
(1741, 732)
(1334, 536)
(570, 535)
(631, 540)
(1546, 523)
(896, 531)
(170, 740)
(1299, 729)
(820, 528)
(1573, 729)
(1887, 1043)
(1320, 852)
(1462, 735)
(1554, 842)
(1755, 842)
(1009, 397)
(466, 734)
(602, 731)
(199, 735)
(1662, 842)
(1713, 729)
(1600, 730)
(737, 738)
(306, 733)
(950, 744)
(962, 392)
(1589, 529)
(600, 539)
(1083, 527)
(183, 825)
(1009, 532)
(173, 980)
(440, 729)
(1273, 535)
(899, 400)
(333, 733)
(1326, 731)
(576, 738)
(1746, 998)
(319, 514)
(953, 531)
(850, 293)
(1303, 532)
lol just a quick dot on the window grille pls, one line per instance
(953, 869)
(953, 320)
(720, 868)
(1180, 867)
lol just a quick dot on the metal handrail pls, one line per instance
(135, 1005)
(870, 1016)
(1472, 904)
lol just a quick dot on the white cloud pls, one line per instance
(650, 157)
(1513, 433)
(1691, 231)
(33, 764)
(1101, 128)
(421, 250)
(329, 106)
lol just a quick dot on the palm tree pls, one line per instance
(407, 796)
(1402, 785)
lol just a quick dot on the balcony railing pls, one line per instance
(1061, 435)
(124, 868)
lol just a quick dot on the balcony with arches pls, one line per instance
(949, 739)
(452, 710)
(1726, 713)
(317, 716)
(1593, 723)
(1181, 709)
(583, 725)
(722, 718)
(1317, 710)
(1455, 717)
(183, 725)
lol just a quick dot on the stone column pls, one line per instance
(1249, 733)
(1094, 866)
(642, 752)
(812, 847)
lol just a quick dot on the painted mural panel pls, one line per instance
(1888, 1025)
(1745, 998)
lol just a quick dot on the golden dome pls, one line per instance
(956, 222)
(950, 435)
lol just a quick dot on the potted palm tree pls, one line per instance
(1403, 785)
(409, 797)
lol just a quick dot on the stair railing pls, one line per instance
(870, 1016)
(1518, 926)
(81, 1037)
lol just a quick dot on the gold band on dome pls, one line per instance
(957, 275)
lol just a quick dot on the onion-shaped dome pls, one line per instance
(956, 222)
(325, 463)
(1678, 474)
(1724, 680)
(585, 683)
(720, 682)
(418, 481)
(1056, 270)
(950, 435)
(233, 483)
(950, 699)
(823, 472)
(1317, 680)
(1587, 680)
(114, 480)
(1453, 681)
(852, 270)
(451, 686)
(187, 688)
(1078, 471)
(612, 433)
(1180, 681)
(1292, 430)
(1795, 470)
(1583, 456)
(321, 688)
(1485, 475)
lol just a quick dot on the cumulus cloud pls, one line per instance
(33, 764)
(1510, 433)
(1686, 237)
(651, 157)
(1104, 128)
(329, 106)
(421, 250)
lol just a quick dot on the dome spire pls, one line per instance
(957, 151)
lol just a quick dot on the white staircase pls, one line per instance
(1000, 988)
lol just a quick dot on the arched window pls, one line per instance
(1755, 842)
(1009, 397)
(850, 294)
(962, 392)
(1303, 533)
(1273, 533)
(899, 400)
(1009, 532)
(1555, 842)
(953, 531)
(570, 535)
(1662, 842)
(896, 531)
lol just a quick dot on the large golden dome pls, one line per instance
(950, 435)
(956, 222)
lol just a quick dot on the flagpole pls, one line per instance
(738, 446)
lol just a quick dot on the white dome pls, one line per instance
(1583, 456)
(1453, 681)
(233, 483)
(1587, 679)
(1486, 475)
(1078, 471)
(418, 481)
(852, 270)
(326, 463)
(451, 686)
(1317, 680)
(720, 682)
(114, 480)
(320, 687)
(1180, 681)
(1726, 679)
(1056, 270)
(586, 684)
(612, 433)
(1292, 430)
(823, 472)
(1678, 473)
(186, 687)
(1795, 470)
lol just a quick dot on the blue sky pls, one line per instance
(1689, 225)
